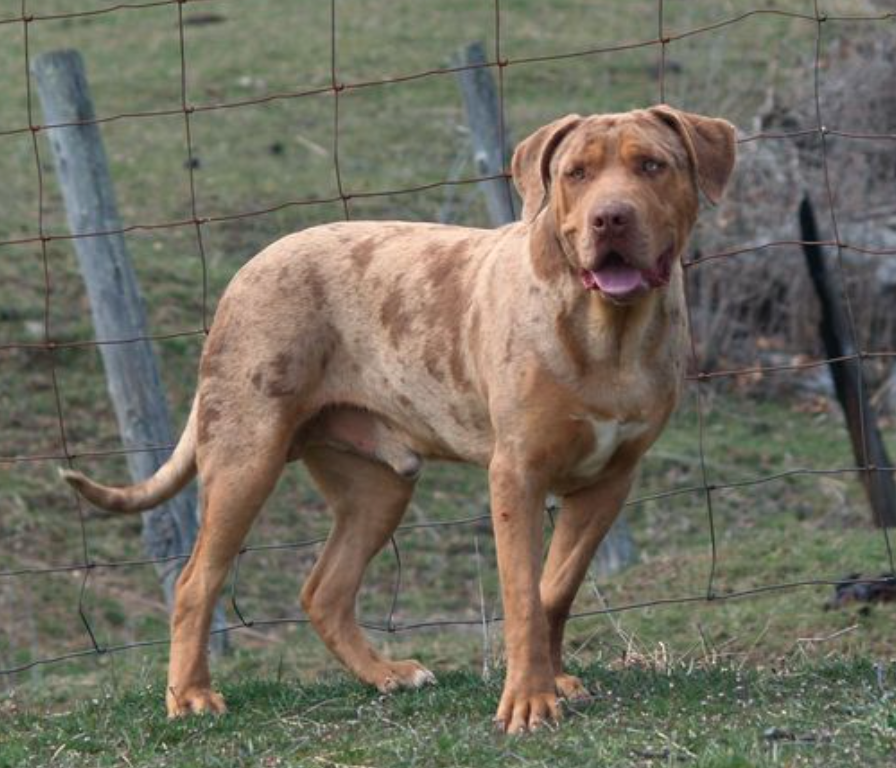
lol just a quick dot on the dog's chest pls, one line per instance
(608, 436)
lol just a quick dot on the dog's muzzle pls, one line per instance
(623, 282)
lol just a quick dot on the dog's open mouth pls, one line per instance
(620, 281)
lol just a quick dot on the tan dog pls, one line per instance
(549, 351)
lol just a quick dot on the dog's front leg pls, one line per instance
(517, 500)
(585, 518)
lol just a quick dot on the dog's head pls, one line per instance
(622, 190)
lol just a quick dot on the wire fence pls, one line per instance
(661, 40)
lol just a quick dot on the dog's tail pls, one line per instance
(170, 478)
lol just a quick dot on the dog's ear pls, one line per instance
(710, 143)
(531, 165)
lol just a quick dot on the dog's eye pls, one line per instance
(577, 173)
(651, 166)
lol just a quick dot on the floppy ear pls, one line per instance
(710, 144)
(531, 164)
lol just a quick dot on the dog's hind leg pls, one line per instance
(368, 500)
(238, 471)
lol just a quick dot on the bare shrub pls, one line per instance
(756, 306)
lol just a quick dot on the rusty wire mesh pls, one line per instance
(194, 220)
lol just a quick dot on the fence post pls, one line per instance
(617, 551)
(132, 375)
(484, 118)
(867, 444)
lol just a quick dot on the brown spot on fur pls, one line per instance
(446, 305)
(508, 348)
(208, 415)
(404, 402)
(569, 338)
(209, 366)
(475, 337)
(326, 357)
(362, 253)
(393, 316)
(331, 341)
(439, 265)
(275, 389)
(280, 381)
(316, 286)
(444, 271)
(280, 365)
(458, 369)
(431, 358)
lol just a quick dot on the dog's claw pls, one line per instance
(423, 677)
(195, 702)
(571, 688)
(403, 674)
(523, 713)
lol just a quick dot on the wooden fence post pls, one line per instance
(617, 551)
(132, 375)
(484, 118)
(867, 444)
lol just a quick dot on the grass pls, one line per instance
(650, 710)
(835, 713)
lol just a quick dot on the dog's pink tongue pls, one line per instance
(614, 279)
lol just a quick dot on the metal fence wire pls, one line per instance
(661, 41)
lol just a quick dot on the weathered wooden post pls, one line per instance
(867, 444)
(132, 375)
(617, 551)
(484, 118)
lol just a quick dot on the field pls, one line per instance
(780, 678)
(823, 714)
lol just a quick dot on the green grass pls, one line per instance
(809, 715)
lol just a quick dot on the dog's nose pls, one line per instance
(613, 219)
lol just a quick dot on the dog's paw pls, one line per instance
(194, 701)
(521, 712)
(393, 675)
(571, 688)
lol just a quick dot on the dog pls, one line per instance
(550, 351)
